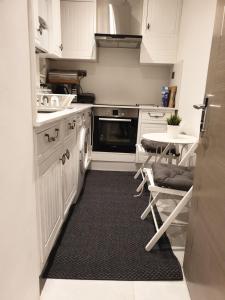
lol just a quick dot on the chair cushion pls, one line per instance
(155, 147)
(171, 176)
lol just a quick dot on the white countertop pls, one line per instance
(116, 105)
(156, 107)
(153, 107)
(45, 118)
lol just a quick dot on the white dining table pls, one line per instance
(181, 139)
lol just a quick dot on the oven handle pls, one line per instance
(115, 120)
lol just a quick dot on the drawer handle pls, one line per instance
(72, 125)
(63, 159)
(52, 138)
(67, 154)
(156, 116)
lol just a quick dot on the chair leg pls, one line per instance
(142, 167)
(168, 221)
(141, 185)
(152, 202)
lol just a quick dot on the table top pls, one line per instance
(182, 139)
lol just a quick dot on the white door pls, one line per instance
(204, 260)
(50, 202)
(160, 29)
(78, 20)
(55, 43)
(70, 174)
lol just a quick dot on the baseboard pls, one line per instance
(113, 156)
(113, 166)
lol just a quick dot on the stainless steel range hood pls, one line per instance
(119, 23)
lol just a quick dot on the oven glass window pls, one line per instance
(115, 135)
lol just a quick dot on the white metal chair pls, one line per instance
(156, 150)
(175, 185)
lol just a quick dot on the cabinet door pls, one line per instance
(55, 43)
(43, 12)
(69, 174)
(78, 27)
(160, 29)
(50, 202)
(36, 22)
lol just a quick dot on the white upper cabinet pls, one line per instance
(55, 42)
(43, 27)
(160, 30)
(78, 19)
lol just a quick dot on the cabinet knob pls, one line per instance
(63, 159)
(61, 47)
(148, 26)
(67, 154)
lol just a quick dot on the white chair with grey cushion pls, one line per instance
(154, 149)
(171, 180)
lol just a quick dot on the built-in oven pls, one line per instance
(115, 129)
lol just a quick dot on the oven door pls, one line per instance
(115, 134)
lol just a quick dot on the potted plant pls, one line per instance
(173, 125)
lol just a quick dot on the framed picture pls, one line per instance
(172, 96)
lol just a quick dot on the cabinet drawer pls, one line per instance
(70, 126)
(49, 138)
(154, 116)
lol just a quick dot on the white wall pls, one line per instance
(18, 247)
(194, 49)
(118, 77)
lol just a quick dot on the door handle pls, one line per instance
(204, 106)
(199, 106)
(114, 120)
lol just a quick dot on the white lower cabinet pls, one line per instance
(151, 121)
(69, 174)
(50, 202)
(57, 157)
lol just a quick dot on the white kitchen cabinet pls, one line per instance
(160, 30)
(69, 173)
(78, 21)
(57, 157)
(36, 22)
(55, 42)
(151, 121)
(49, 202)
(43, 12)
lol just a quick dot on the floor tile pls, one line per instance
(162, 290)
(57, 289)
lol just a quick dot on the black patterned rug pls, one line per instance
(104, 237)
